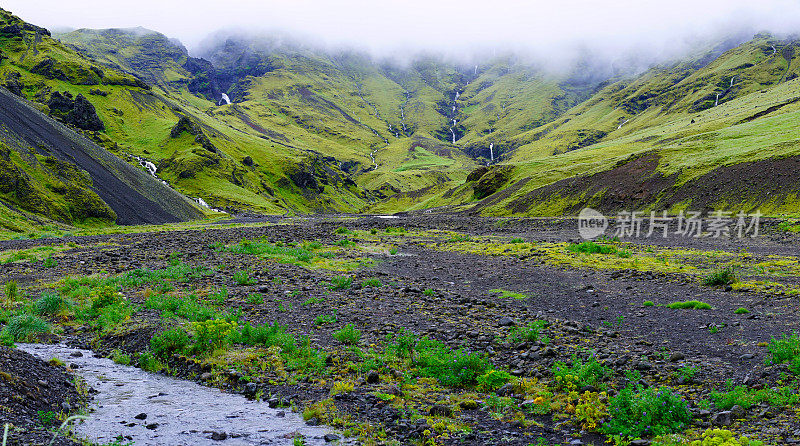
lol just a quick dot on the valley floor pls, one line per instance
(431, 329)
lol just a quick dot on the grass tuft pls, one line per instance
(689, 305)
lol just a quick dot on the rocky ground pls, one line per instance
(33, 395)
(444, 277)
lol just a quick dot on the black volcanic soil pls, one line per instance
(592, 309)
(30, 389)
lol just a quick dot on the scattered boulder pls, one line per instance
(723, 418)
(373, 377)
(78, 112)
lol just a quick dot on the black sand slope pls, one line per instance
(135, 196)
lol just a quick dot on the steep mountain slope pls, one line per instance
(310, 129)
(709, 132)
(57, 173)
(372, 117)
(223, 161)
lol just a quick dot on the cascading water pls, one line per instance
(224, 100)
(152, 170)
(621, 124)
(491, 151)
(452, 131)
(403, 110)
(716, 102)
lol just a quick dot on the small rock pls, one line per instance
(152, 426)
(219, 436)
(547, 353)
(468, 404)
(331, 437)
(76, 354)
(141, 416)
(205, 376)
(250, 388)
(373, 377)
(737, 411)
(313, 422)
(675, 357)
(505, 390)
(507, 322)
(747, 357)
(640, 442)
(722, 418)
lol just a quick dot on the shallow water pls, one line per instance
(184, 412)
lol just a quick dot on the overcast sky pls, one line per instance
(454, 26)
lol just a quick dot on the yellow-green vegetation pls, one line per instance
(689, 304)
(506, 294)
(740, 270)
(308, 254)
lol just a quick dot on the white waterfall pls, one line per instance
(731, 85)
(717, 101)
(454, 135)
(457, 95)
(491, 151)
(224, 99)
(476, 70)
(621, 124)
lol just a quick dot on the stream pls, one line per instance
(152, 409)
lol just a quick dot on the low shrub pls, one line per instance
(149, 363)
(374, 283)
(48, 304)
(169, 343)
(349, 335)
(785, 349)
(720, 277)
(267, 335)
(746, 397)
(243, 278)
(529, 333)
(120, 357)
(581, 373)
(12, 292)
(341, 283)
(591, 409)
(493, 380)
(23, 327)
(210, 335)
(636, 412)
(591, 248)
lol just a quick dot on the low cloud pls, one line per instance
(645, 30)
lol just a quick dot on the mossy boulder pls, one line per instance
(492, 181)
(78, 112)
(476, 174)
